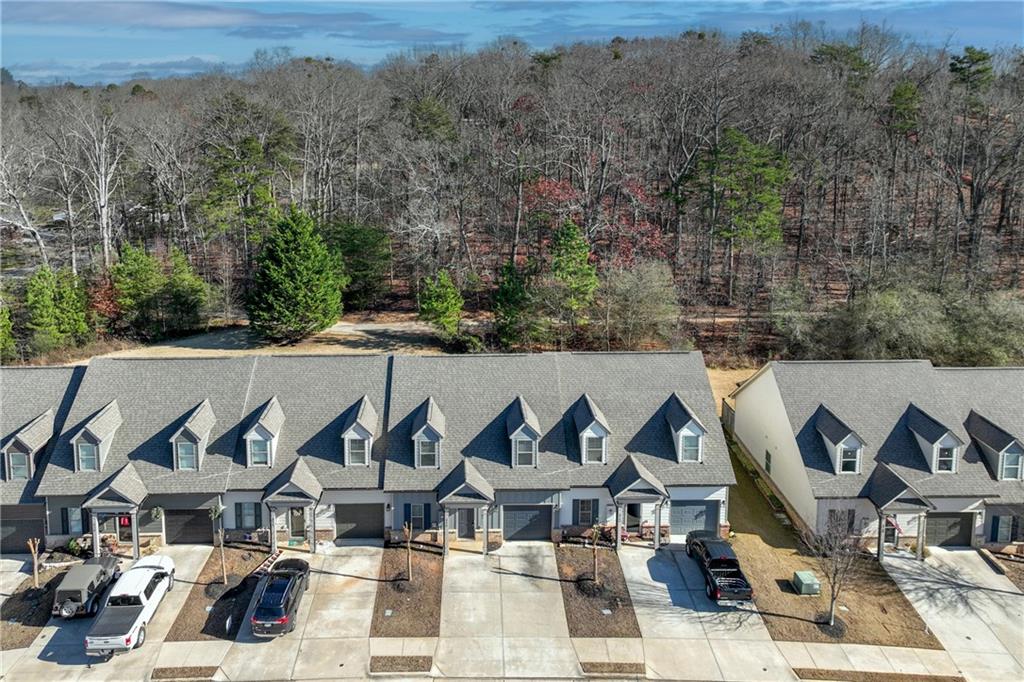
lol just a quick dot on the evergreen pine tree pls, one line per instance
(185, 294)
(72, 304)
(514, 317)
(41, 308)
(441, 305)
(570, 291)
(138, 283)
(297, 285)
(366, 251)
(8, 348)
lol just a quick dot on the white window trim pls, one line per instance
(10, 467)
(956, 455)
(78, 455)
(700, 448)
(81, 521)
(592, 512)
(270, 452)
(840, 449)
(177, 455)
(437, 453)
(515, 452)
(368, 442)
(1002, 466)
(583, 448)
(412, 515)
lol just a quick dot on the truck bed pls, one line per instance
(115, 621)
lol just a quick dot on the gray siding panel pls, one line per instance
(197, 501)
(402, 499)
(526, 497)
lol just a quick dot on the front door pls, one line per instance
(633, 516)
(297, 522)
(124, 528)
(467, 523)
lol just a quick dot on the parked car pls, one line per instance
(286, 582)
(81, 590)
(723, 579)
(130, 606)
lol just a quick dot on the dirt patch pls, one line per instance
(586, 602)
(401, 664)
(861, 676)
(873, 609)
(725, 381)
(610, 668)
(27, 610)
(194, 622)
(1014, 569)
(184, 673)
(408, 608)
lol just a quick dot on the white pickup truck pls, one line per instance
(130, 606)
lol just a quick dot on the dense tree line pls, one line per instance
(747, 173)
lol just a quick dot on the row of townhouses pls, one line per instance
(916, 454)
(303, 449)
(297, 450)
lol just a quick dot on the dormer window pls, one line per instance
(427, 453)
(19, 466)
(689, 447)
(1013, 463)
(849, 460)
(259, 452)
(357, 451)
(188, 456)
(525, 452)
(88, 457)
(594, 449)
(686, 429)
(945, 459)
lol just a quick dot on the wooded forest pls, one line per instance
(803, 194)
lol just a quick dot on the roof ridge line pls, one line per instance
(245, 403)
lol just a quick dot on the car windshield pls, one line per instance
(125, 600)
(265, 613)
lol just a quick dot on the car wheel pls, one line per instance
(68, 609)
(689, 550)
(170, 582)
(707, 590)
(142, 637)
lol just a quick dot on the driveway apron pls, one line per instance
(976, 614)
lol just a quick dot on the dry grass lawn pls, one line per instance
(193, 621)
(408, 608)
(27, 610)
(725, 381)
(585, 611)
(876, 612)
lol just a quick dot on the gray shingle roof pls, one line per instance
(520, 414)
(886, 487)
(984, 431)
(587, 412)
(37, 432)
(631, 472)
(363, 415)
(875, 398)
(633, 390)
(925, 425)
(271, 417)
(201, 421)
(832, 427)
(25, 394)
(678, 414)
(430, 415)
(126, 483)
(298, 475)
(105, 423)
(464, 474)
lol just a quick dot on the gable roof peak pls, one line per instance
(832, 427)
(271, 417)
(35, 434)
(678, 414)
(104, 423)
(429, 414)
(361, 414)
(200, 420)
(521, 414)
(927, 426)
(586, 413)
(985, 431)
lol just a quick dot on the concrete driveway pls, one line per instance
(686, 635)
(14, 568)
(977, 614)
(58, 652)
(331, 637)
(502, 615)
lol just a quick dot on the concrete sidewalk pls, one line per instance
(868, 658)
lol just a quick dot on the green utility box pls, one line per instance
(804, 582)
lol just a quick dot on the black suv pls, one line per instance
(279, 601)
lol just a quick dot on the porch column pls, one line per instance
(134, 516)
(487, 529)
(273, 529)
(920, 535)
(657, 526)
(444, 531)
(618, 527)
(881, 536)
(312, 524)
(94, 521)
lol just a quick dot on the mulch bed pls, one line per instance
(401, 664)
(607, 668)
(194, 622)
(184, 673)
(860, 676)
(27, 610)
(586, 602)
(872, 608)
(414, 606)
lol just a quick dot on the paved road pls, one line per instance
(976, 614)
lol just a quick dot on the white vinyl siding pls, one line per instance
(88, 457)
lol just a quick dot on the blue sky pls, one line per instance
(97, 41)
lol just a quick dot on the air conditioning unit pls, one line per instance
(804, 582)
